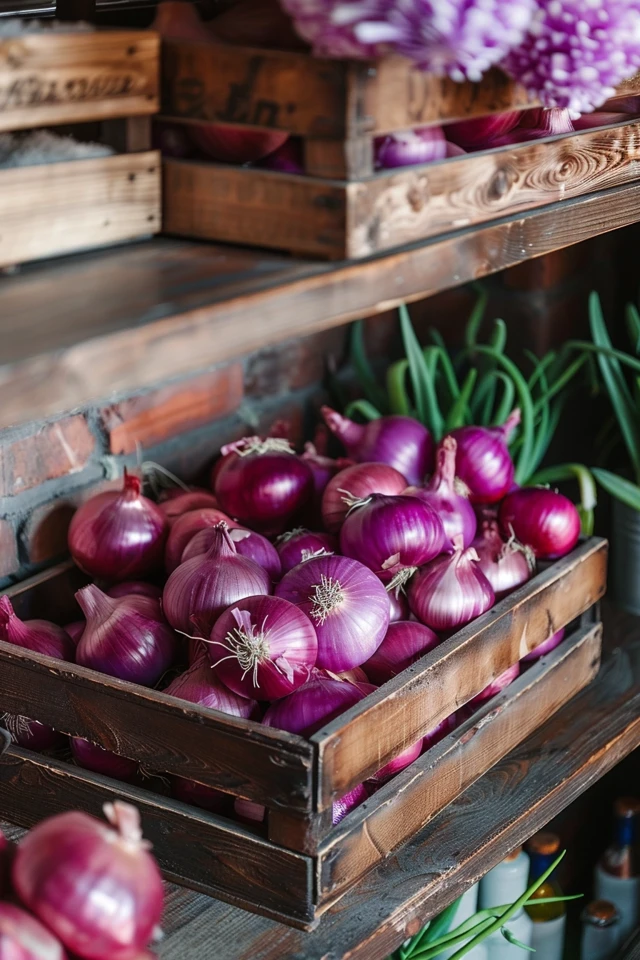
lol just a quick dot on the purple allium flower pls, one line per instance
(329, 25)
(577, 51)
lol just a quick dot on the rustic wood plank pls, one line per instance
(297, 832)
(48, 79)
(402, 807)
(368, 735)
(63, 207)
(170, 308)
(128, 134)
(339, 159)
(198, 849)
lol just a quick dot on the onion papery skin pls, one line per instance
(202, 588)
(248, 544)
(450, 592)
(599, 119)
(184, 530)
(263, 648)
(93, 757)
(314, 705)
(405, 148)
(33, 735)
(347, 605)
(357, 482)
(199, 684)
(439, 732)
(483, 462)
(186, 501)
(506, 565)
(299, 544)
(349, 802)
(249, 812)
(406, 641)
(96, 888)
(22, 937)
(399, 605)
(536, 125)
(200, 795)
(135, 588)
(40, 636)
(126, 638)
(456, 513)
(75, 630)
(494, 688)
(263, 484)
(400, 442)
(118, 536)
(398, 763)
(542, 519)
(545, 647)
(478, 133)
(391, 534)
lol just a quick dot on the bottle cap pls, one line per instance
(600, 913)
(544, 842)
(515, 853)
(627, 807)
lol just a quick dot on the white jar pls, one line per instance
(466, 908)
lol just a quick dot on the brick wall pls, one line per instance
(47, 469)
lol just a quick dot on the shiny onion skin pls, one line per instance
(93, 757)
(299, 544)
(314, 705)
(186, 501)
(22, 937)
(95, 886)
(349, 802)
(347, 605)
(357, 482)
(480, 132)
(545, 647)
(323, 469)
(392, 535)
(184, 530)
(506, 565)
(75, 630)
(248, 544)
(399, 605)
(127, 637)
(455, 511)
(200, 795)
(439, 732)
(405, 148)
(398, 441)
(405, 642)
(398, 763)
(31, 734)
(138, 588)
(246, 811)
(493, 689)
(40, 636)
(542, 519)
(263, 483)
(451, 591)
(199, 684)
(263, 648)
(483, 462)
(118, 536)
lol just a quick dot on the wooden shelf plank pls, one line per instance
(80, 329)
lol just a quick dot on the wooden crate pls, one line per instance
(303, 863)
(48, 79)
(340, 208)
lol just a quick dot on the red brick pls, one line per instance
(162, 414)
(58, 449)
(294, 364)
(9, 562)
(45, 533)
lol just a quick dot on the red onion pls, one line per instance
(505, 565)
(399, 605)
(405, 642)
(126, 637)
(452, 507)
(199, 795)
(200, 685)
(200, 589)
(439, 732)
(75, 630)
(480, 132)
(185, 528)
(247, 543)
(300, 544)
(95, 886)
(249, 812)
(171, 139)
(483, 462)
(287, 158)
(537, 123)
(450, 591)
(392, 535)
(312, 706)
(357, 483)
(229, 144)
(494, 688)
(186, 500)
(356, 675)
(119, 536)
(322, 467)
(347, 605)
(400, 442)
(263, 647)
(599, 119)
(135, 588)
(262, 483)
(398, 763)
(37, 635)
(349, 802)
(93, 757)
(31, 734)
(404, 148)
(545, 647)
(22, 937)
(542, 519)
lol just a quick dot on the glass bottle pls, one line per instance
(502, 885)
(466, 908)
(549, 919)
(617, 875)
(600, 931)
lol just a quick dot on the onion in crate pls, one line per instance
(300, 544)
(184, 529)
(450, 591)
(315, 704)
(248, 544)
(442, 494)
(405, 642)
(505, 564)
(495, 687)
(92, 756)
(355, 483)
(483, 462)
(542, 519)
(545, 647)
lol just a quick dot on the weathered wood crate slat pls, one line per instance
(297, 780)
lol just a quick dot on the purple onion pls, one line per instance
(545, 647)
(300, 544)
(179, 502)
(93, 757)
(75, 630)
(406, 641)
(357, 482)
(451, 591)
(184, 529)
(400, 442)
(455, 511)
(494, 688)
(323, 469)
(138, 588)
(439, 732)
(247, 543)
(347, 605)
(479, 132)
(399, 605)
(40, 636)
(22, 937)
(31, 734)
(199, 684)
(199, 795)
(404, 759)
(405, 148)
(349, 802)
(249, 812)
(483, 462)
(314, 705)
(287, 158)
(506, 565)
(542, 519)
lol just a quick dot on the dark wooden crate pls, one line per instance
(297, 780)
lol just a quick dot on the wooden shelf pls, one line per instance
(79, 329)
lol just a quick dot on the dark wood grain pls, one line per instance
(371, 733)
(122, 320)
